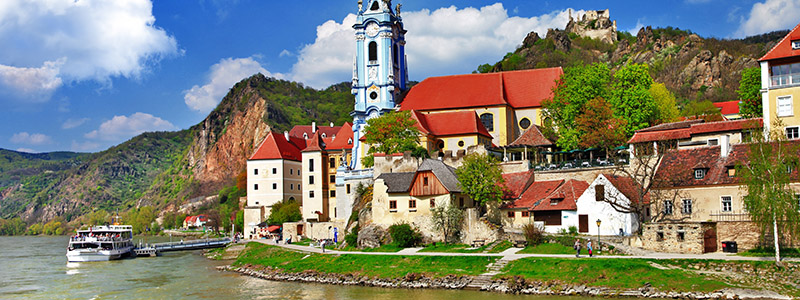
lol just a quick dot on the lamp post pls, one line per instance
(599, 247)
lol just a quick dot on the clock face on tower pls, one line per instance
(372, 29)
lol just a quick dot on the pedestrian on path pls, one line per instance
(322, 245)
(578, 247)
(589, 247)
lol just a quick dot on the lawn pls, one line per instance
(770, 252)
(502, 246)
(452, 248)
(617, 273)
(381, 266)
(382, 248)
(550, 248)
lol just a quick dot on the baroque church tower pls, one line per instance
(380, 73)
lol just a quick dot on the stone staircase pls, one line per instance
(484, 281)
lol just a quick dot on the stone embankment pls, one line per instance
(513, 285)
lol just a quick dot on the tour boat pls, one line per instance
(101, 243)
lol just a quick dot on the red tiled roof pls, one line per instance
(673, 134)
(673, 125)
(538, 190)
(728, 107)
(627, 187)
(315, 143)
(722, 126)
(516, 183)
(784, 48)
(568, 194)
(685, 129)
(299, 130)
(343, 139)
(532, 137)
(453, 123)
(275, 146)
(519, 89)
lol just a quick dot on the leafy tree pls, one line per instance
(599, 126)
(97, 217)
(448, 219)
(54, 227)
(750, 93)
(393, 132)
(484, 68)
(13, 226)
(577, 86)
(770, 166)
(702, 110)
(666, 105)
(403, 235)
(285, 211)
(630, 97)
(35, 229)
(239, 221)
(481, 178)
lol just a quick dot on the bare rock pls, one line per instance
(371, 236)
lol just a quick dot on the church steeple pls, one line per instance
(379, 67)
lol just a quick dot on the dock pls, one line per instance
(157, 248)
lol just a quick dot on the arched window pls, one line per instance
(395, 56)
(440, 144)
(488, 121)
(373, 52)
(374, 6)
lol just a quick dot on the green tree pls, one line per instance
(481, 178)
(97, 217)
(630, 97)
(393, 132)
(750, 93)
(702, 110)
(666, 105)
(285, 211)
(14, 226)
(577, 86)
(484, 68)
(448, 219)
(599, 126)
(770, 166)
(35, 229)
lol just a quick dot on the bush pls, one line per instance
(352, 238)
(573, 230)
(533, 234)
(404, 236)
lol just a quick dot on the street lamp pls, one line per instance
(599, 247)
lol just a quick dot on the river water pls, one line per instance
(37, 268)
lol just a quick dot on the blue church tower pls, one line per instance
(380, 73)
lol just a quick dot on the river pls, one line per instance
(37, 268)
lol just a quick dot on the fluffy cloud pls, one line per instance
(768, 16)
(31, 139)
(124, 127)
(72, 123)
(221, 78)
(67, 41)
(444, 41)
(26, 150)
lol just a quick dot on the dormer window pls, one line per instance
(796, 45)
(699, 173)
(324, 135)
(350, 141)
(713, 142)
(731, 171)
(555, 201)
(305, 136)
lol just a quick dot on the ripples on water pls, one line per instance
(37, 268)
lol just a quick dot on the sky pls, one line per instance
(84, 75)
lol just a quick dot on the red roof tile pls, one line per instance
(519, 89)
(275, 146)
(343, 139)
(453, 123)
(299, 130)
(537, 191)
(565, 197)
(532, 137)
(314, 143)
(728, 107)
(516, 183)
(673, 125)
(784, 48)
(650, 136)
(685, 129)
(722, 126)
(627, 187)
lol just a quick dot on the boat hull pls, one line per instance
(102, 255)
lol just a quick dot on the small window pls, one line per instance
(311, 179)
(731, 171)
(510, 214)
(274, 170)
(488, 121)
(333, 193)
(461, 144)
(324, 135)
(713, 142)
(526, 214)
(727, 203)
(392, 204)
(412, 204)
(255, 186)
(433, 203)
(311, 165)
(785, 106)
(311, 194)
(274, 186)
(699, 173)
(796, 45)
(291, 171)
(373, 95)
(298, 186)
(374, 6)
(425, 181)
(256, 202)
(599, 192)
(686, 209)
(555, 201)
(332, 163)
(348, 188)
(332, 179)
(291, 187)
(681, 236)
(792, 133)
(524, 123)
(668, 207)
(659, 236)
(255, 171)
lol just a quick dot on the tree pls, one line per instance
(393, 132)
(599, 126)
(481, 178)
(702, 110)
(484, 68)
(448, 219)
(750, 93)
(666, 105)
(630, 97)
(770, 166)
(285, 211)
(577, 86)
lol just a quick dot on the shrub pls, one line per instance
(404, 236)
(573, 230)
(533, 234)
(352, 238)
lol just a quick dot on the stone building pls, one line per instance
(595, 24)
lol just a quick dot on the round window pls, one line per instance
(525, 123)
(373, 95)
(461, 143)
(440, 144)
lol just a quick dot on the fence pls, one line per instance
(728, 216)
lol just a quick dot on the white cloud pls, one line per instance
(285, 53)
(124, 127)
(768, 16)
(30, 139)
(221, 78)
(66, 41)
(72, 123)
(444, 41)
(84, 146)
(635, 30)
(26, 150)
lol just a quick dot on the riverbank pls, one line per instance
(605, 277)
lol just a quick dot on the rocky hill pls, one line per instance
(690, 66)
(165, 169)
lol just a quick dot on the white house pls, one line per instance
(611, 221)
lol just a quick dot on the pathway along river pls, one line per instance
(37, 268)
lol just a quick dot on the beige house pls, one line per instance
(780, 84)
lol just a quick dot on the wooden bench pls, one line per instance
(520, 243)
(478, 243)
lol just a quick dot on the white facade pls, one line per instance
(268, 182)
(611, 220)
(315, 199)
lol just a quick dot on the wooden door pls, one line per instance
(583, 223)
(299, 229)
(710, 240)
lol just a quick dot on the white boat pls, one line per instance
(101, 243)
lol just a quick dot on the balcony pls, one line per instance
(784, 80)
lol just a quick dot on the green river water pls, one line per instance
(37, 268)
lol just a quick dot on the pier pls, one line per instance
(157, 248)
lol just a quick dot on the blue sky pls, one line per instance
(84, 75)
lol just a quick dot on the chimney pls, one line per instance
(286, 135)
(724, 145)
(331, 124)
(313, 127)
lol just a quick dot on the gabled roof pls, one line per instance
(537, 191)
(723, 126)
(685, 129)
(518, 89)
(532, 137)
(398, 182)
(566, 195)
(784, 48)
(343, 138)
(451, 123)
(650, 136)
(299, 130)
(626, 186)
(446, 174)
(728, 107)
(275, 146)
(314, 143)
(515, 183)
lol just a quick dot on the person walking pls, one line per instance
(577, 248)
(589, 247)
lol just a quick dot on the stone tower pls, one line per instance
(379, 66)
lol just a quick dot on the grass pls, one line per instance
(549, 248)
(502, 246)
(452, 248)
(382, 248)
(388, 266)
(617, 273)
(770, 252)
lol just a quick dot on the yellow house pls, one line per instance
(780, 84)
